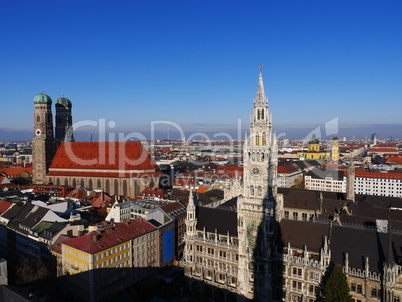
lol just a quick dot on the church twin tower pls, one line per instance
(44, 143)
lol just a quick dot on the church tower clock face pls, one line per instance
(38, 132)
(255, 171)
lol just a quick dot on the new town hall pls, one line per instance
(272, 244)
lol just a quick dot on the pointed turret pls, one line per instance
(191, 205)
(191, 220)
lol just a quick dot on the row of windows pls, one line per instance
(358, 288)
(305, 216)
(111, 251)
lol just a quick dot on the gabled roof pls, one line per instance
(174, 209)
(18, 213)
(56, 247)
(4, 206)
(111, 235)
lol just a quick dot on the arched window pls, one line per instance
(38, 118)
(50, 181)
(251, 190)
(98, 184)
(257, 156)
(249, 155)
(116, 187)
(65, 181)
(58, 181)
(82, 183)
(258, 114)
(90, 184)
(397, 299)
(253, 156)
(136, 188)
(374, 291)
(262, 157)
(257, 140)
(74, 183)
(259, 190)
(125, 188)
(262, 114)
(107, 186)
(264, 139)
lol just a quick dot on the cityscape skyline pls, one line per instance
(194, 64)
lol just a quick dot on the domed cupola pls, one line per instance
(65, 102)
(42, 98)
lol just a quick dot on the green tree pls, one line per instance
(22, 180)
(336, 287)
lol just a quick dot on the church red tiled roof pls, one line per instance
(106, 159)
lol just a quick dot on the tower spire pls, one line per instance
(260, 97)
(191, 205)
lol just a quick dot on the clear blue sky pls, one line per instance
(196, 62)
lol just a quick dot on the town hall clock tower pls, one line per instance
(256, 206)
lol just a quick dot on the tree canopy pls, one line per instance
(336, 287)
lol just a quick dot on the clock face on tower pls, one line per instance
(255, 171)
(38, 132)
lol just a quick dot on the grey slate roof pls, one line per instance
(214, 218)
(302, 233)
(360, 243)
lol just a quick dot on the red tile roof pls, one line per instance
(370, 174)
(4, 206)
(15, 171)
(289, 168)
(395, 150)
(153, 192)
(172, 207)
(394, 159)
(8, 186)
(100, 201)
(108, 158)
(232, 167)
(56, 247)
(77, 193)
(113, 234)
